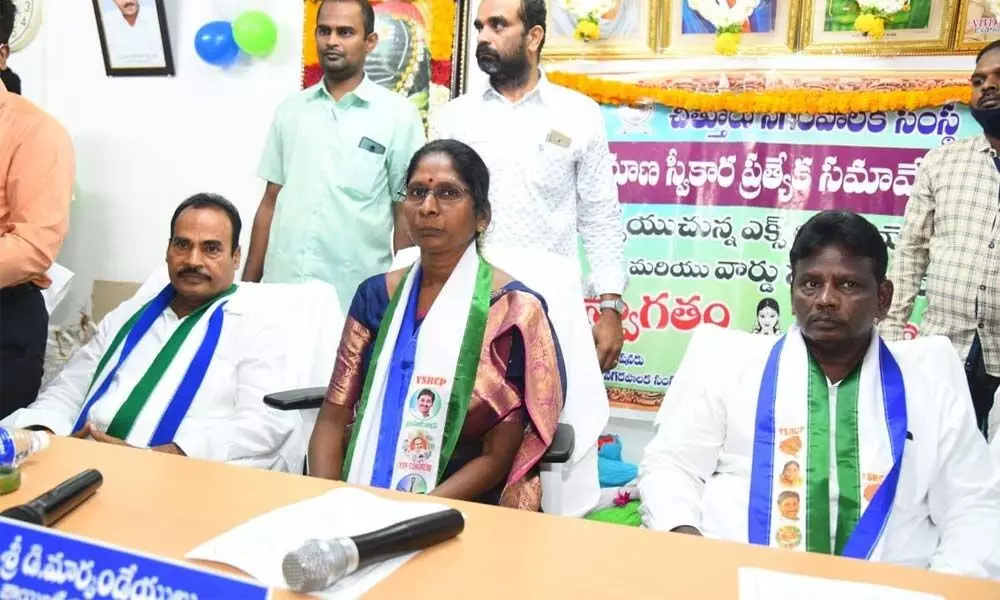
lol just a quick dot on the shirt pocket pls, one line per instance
(911, 489)
(366, 177)
(554, 169)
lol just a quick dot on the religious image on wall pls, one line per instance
(699, 16)
(401, 61)
(730, 27)
(596, 28)
(978, 24)
(711, 202)
(885, 27)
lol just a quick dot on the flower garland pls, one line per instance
(874, 14)
(795, 101)
(442, 40)
(728, 19)
(588, 16)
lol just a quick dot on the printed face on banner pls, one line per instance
(712, 202)
(425, 404)
(788, 505)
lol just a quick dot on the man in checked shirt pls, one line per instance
(950, 236)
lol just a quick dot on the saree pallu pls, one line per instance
(520, 377)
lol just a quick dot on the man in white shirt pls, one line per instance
(828, 440)
(186, 371)
(550, 167)
(133, 35)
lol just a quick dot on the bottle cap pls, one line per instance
(10, 480)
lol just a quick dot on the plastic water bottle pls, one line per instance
(16, 445)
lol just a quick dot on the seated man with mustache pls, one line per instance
(185, 372)
(892, 466)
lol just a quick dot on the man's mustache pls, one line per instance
(483, 50)
(192, 271)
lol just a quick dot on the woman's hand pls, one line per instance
(327, 444)
(489, 470)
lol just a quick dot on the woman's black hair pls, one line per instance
(469, 166)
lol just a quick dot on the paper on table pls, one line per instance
(761, 584)
(258, 546)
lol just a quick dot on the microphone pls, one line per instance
(57, 502)
(318, 564)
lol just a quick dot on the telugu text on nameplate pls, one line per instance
(43, 564)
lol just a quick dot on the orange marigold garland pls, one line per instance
(802, 101)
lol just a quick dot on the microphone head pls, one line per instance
(315, 566)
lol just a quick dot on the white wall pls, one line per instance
(144, 144)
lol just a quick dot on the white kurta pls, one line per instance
(227, 420)
(696, 471)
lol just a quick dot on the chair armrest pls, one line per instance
(302, 399)
(561, 449)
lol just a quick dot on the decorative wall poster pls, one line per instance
(413, 55)
(601, 28)
(728, 28)
(711, 204)
(878, 27)
(978, 24)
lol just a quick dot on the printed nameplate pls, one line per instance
(44, 564)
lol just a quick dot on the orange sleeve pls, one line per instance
(36, 194)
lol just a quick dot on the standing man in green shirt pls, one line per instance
(334, 163)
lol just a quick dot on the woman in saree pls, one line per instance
(449, 379)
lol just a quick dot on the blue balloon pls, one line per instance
(215, 43)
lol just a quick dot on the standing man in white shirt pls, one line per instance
(827, 439)
(186, 371)
(547, 151)
(133, 37)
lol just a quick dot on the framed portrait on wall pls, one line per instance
(627, 29)
(912, 27)
(400, 62)
(134, 37)
(691, 26)
(978, 24)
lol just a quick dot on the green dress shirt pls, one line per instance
(341, 166)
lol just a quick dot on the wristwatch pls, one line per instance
(617, 305)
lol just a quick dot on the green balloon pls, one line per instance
(255, 33)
